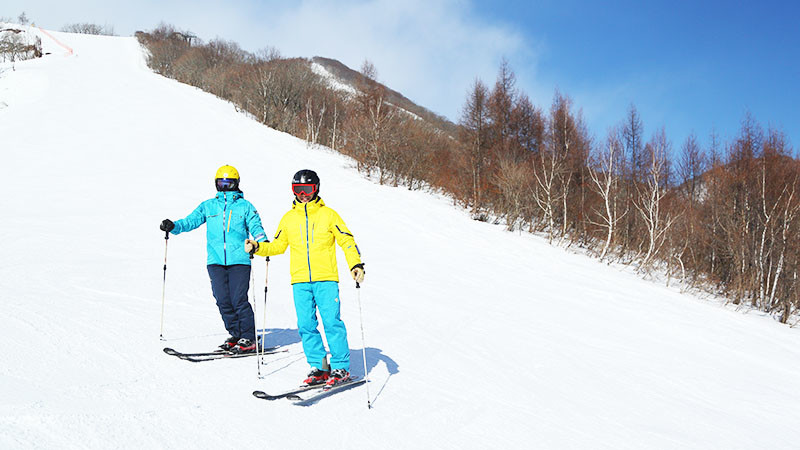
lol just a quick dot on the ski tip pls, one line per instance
(169, 351)
(263, 395)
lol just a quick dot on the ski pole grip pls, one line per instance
(166, 235)
(358, 286)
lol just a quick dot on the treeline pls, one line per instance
(89, 28)
(286, 94)
(719, 218)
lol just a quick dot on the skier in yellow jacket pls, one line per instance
(310, 228)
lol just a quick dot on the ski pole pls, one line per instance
(255, 313)
(164, 284)
(363, 344)
(266, 280)
(264, 320)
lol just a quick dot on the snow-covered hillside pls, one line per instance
(476, 338)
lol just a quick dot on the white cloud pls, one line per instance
(430, 51)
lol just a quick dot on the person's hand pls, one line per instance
(250, 246)
(357, 273)
(167, 225)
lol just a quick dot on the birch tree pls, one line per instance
(605, 183)
(650, 196)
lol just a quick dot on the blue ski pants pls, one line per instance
(229, 285)
(322, 295)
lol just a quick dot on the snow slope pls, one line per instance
(331, 79)
(476, 338)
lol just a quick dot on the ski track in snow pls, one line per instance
(476, 337)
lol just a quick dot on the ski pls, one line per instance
(222, 354)
(325, 391)
(264, 396)
(174, 352)
(229, 355)
(308, 401)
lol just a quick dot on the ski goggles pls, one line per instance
(306, 189)
(226, 184)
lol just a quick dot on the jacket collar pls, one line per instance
(229, 195)
(311, 206)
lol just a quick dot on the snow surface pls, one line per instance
(335, 83)
(476, 338)
(332, 80)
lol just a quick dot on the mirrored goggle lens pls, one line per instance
(307, 189)
(225, 183)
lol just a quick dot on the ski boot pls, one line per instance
(316, 376)
(244, 346)
(229, 344)
(337, 376)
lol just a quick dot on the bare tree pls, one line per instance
(631, 131)
(548, 163)
(190, 68)
(501, 104)
(15, 45)
(374, 125)
(315, 115)
(89, 28)
(268, 54)
(777, 186)
(277, 92)
(513, 180)
(475, 140)
(691, 166)
(529, 129)
(634, 147)
(605, 181)
(791, 212)
(649, 200)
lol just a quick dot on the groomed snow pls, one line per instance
(476, 338)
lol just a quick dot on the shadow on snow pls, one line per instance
(374, 356)
(279, 336)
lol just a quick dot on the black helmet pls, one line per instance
(305, 181)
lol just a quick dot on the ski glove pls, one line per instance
(250, 246)
(167, 225)
(358, 273)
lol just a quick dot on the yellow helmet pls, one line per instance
(227, 179)
(229, 172)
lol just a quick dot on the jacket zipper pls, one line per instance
(224, 237)
(308, 248)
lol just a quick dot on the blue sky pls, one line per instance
(687, 66)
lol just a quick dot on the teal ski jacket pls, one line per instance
(229, 219)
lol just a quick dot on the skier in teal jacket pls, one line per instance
(229, 219)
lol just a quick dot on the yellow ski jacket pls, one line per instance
(311, 229)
